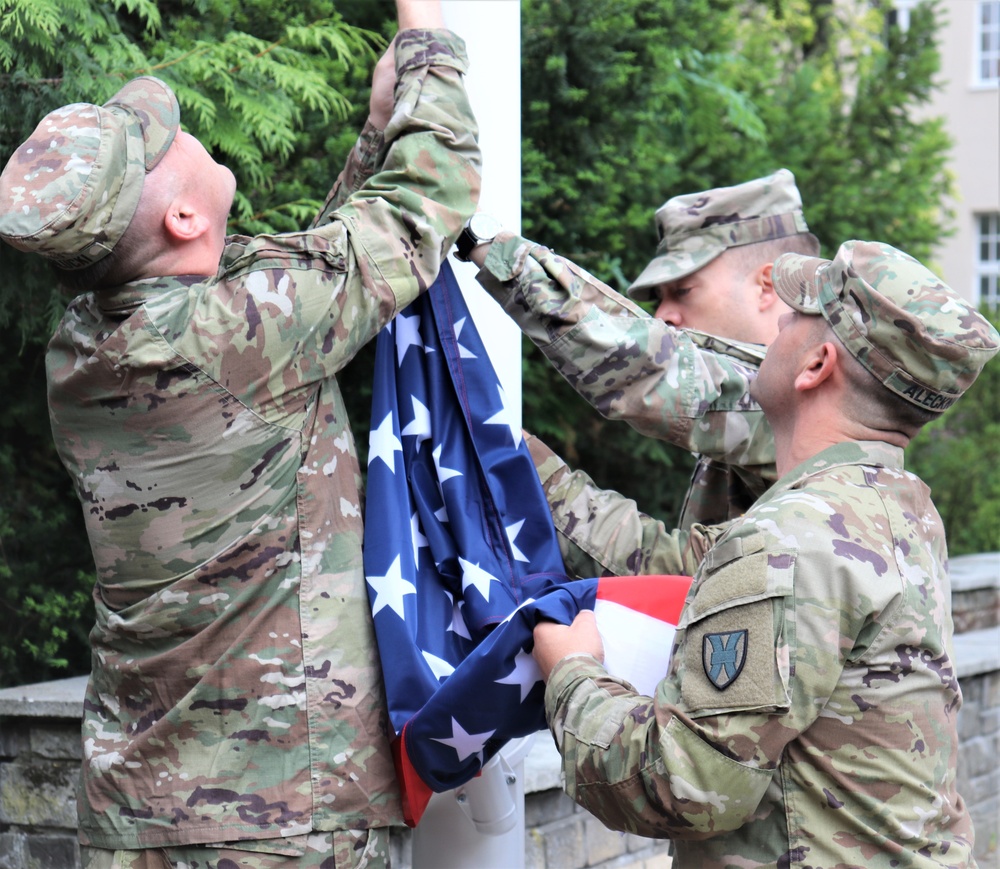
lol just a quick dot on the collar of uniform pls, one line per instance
(874, 453)
(123, 300)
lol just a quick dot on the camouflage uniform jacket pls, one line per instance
(685, 387)
(604, 533)
(808, 716)
(236, 690)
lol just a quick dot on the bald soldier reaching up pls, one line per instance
(235, 714)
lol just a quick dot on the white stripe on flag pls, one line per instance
(636, 646)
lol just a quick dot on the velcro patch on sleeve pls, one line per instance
(730, 658)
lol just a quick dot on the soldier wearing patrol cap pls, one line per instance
(73, 188)
(808, 717)
(682, 376)
(235, 713)
(712, 268)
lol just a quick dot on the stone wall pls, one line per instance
(39, 766)
(40, 757)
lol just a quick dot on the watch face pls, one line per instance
(483, 226)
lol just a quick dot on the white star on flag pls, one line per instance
(421, 425)
(443, 473)
(390, 589)
(465, 744)
(463, 352)
(458, 625)
(512, 532)
(525, 673)
(418, 539)
(506, 417)
(473, 574)
(513, 612)
(383, 444)
(439, 666)
(407, 335)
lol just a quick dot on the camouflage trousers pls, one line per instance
(343, 849)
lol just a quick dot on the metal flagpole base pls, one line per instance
(479, 824)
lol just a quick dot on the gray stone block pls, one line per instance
(991, 689)
(969, 723)
(53, 852)
(13, 850)
(601, 843)
(545, 807)
(13, 737)
(659, 860)
(57, 741)
(642, 843)
(534, 850)
(36, 793)
(981, 790)
(564, 844)
(989, 720)
(979, 758)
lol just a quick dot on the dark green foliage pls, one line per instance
(46, 570)
(277, 90)
(614, 91)
(271, 88)
(958, 457)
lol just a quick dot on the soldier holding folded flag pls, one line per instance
(808, 717)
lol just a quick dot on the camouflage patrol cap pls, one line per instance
(900, 321)
(69, 192)
(696, 228)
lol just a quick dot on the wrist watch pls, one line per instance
(480, 229)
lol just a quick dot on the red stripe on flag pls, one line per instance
(659, 596)
(413, 790)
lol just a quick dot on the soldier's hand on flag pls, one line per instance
(553, 641)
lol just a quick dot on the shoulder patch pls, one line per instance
(723, 656)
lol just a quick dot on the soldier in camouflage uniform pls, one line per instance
(808, 717)
(712, 275)
(235, 714)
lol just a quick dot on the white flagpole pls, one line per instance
(481, 824)
(492, 32)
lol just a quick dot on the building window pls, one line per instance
(987, 52)
(988, 260)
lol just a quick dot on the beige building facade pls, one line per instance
(969, 100)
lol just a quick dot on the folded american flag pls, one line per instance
(461, 556)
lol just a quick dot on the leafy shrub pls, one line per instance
(958, 456)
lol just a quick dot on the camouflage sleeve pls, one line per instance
(292, 309)
(696, 759)
(362, 161)
(626, 364)
(692, 761)
(403, 221)
(603, 533)
(640, 765)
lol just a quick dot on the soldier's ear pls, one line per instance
(817, 366)
(183, 221)
(766, 295)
